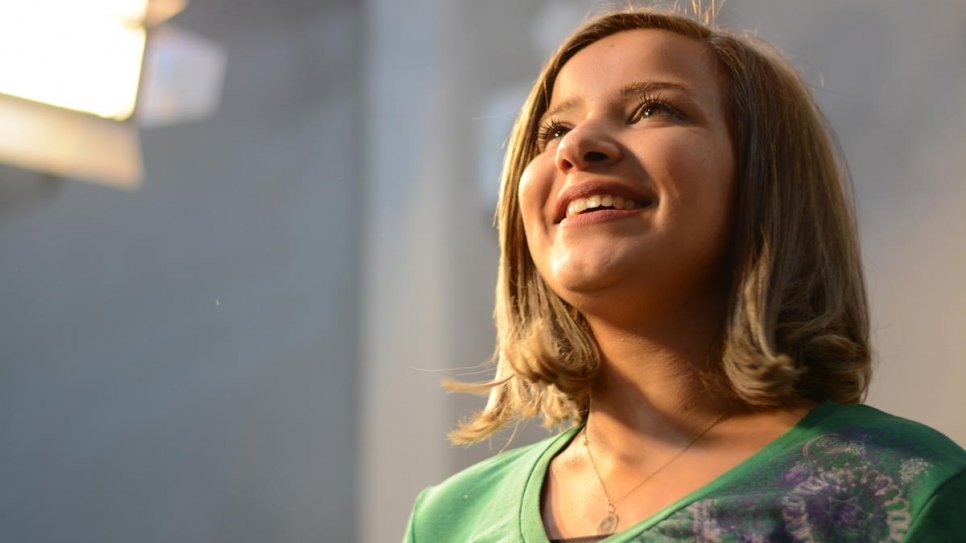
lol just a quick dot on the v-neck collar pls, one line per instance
(531, 522)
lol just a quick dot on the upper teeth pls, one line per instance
(578, 205)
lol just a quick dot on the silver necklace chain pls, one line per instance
(608, 524)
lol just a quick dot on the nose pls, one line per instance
(584, 147)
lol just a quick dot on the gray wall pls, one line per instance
(179, 362)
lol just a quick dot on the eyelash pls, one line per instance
(649, 101)
(548, 130)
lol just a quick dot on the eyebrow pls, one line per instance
(630, 90)
(645, 87)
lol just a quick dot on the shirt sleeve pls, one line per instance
(943, 519)
(410, 536)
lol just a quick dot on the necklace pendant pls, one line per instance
(608, 524)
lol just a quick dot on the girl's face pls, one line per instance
(632, 191)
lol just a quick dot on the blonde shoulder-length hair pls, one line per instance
(797, 322)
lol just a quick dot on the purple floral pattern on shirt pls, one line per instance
(840, 489)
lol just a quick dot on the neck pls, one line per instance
(655, 383)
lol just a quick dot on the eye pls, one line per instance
(551, 130)
(652, 106)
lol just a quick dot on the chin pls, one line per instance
(570, 282)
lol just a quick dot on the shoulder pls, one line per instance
(485, 497)
(883, 435)
(903, 475)
(513, 466)
(850, 470)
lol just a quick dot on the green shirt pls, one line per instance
(844, 473)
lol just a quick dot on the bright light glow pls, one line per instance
(81, 55)
(70, 144)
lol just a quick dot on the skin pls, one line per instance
(641, 112)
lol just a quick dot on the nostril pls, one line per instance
(594, 156)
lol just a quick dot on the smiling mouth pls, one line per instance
(601, 202)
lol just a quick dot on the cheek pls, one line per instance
(719, 174)
(713, 197)
(702, 174)
(696, 181)
(533, 194)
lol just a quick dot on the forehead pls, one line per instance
(634, 56)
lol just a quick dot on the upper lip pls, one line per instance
(591, 187)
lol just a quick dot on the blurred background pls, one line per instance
(226, 317)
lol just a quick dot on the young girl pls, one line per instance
(680, 277)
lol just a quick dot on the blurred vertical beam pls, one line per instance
(406, 314)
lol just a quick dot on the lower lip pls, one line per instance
(602, 216)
